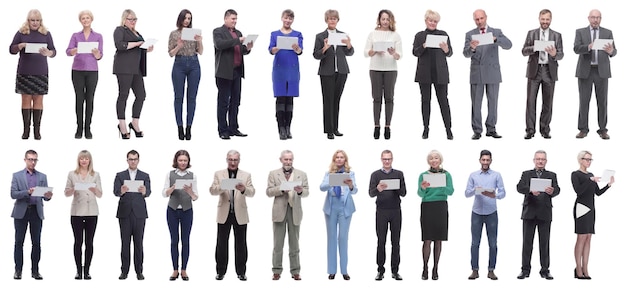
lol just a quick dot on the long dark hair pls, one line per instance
(181, 18)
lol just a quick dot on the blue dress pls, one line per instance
(286, 69)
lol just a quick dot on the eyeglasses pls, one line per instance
(232, 160)
(587, 159)
(133, 159)
(131, 19)
(540, 159)
(31, 159)
(386, 159)
(595, 17)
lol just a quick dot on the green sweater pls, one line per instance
(435, 193)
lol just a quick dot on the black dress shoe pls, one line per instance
(331, 276)
(185, 278)
(529, 135)
(238, 134)
(449, 134)
(476, 136)
(346, 277)
(396, 276)
(379, 276)
(17, 275)
(387, 133)
(242, 277)
(524, 274)
(425, 133)
(219, 277)
(224, 137)
(78, 276)
(338, 134)
(174, 277)
(123, 276)
(376, 132)
(86, 276)
(330, 136)
(545, 275)
(546, 135)
(493, 134)
(140, 276)
(37, 276)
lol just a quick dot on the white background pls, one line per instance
(260, 151)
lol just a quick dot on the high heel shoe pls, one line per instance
(123, 135)
(137, 134)
(181, 133)
(576, 275)
(425, 274)
(174, 277)
(387, 133)
(376, 132)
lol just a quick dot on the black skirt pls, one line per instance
(31, 84)
(434, 221)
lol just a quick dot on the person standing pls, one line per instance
(232, 212)
(432, 70)
(31, 79)
(132, 186)
(333, 70)
(130, 66)
(28, 212)
(537, 214)
(84, 73)
(593, 70)
(287, 213)
(285, 73)
(541, 71)
(338, 209)
(486, 186)
(586, 188)
(230, 47)
(84, 185)
(186, 68)
(383, 67)
(388, 212)
(434, 211)
(485, 73)
(180, 209)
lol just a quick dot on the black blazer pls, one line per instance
(537, 207)
(128, 61)
(533, 56)
(131, 201)
(224, 45)
(581, 47)
(427, 57)
(327, 59)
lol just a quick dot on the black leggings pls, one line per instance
(84, 228)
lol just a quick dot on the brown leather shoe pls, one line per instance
(296, 277)
(604, 136)
(581, 135)
(276, 276)
(474, 275)
(491, 275)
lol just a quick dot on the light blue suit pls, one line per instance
(338, 213)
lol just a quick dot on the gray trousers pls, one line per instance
(477, 91)
(280, 228)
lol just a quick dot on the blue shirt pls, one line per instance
(485, 205)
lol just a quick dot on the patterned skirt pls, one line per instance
(31, 84)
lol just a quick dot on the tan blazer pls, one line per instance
(223, 206)
(84, 202)
(279, 209)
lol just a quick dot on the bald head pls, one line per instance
(480, 18)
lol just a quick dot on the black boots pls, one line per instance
(26, 113)
(184, 134)
(188, 132)
(376, 132)
(37, 123)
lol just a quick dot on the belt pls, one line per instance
(543, 64)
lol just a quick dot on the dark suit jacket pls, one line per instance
(128, 61)
(19, 192)
(485, 65)
(426, 56)
(327, 59)
(537, 207)
(131, 201)
(581, 47)
(533, 56)
(224, 45)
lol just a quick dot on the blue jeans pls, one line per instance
(179, 221)
(30, 218)
(185, 68)
(491, 223)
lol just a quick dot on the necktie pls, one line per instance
(232, 195)
(539, 172)
(291, 192)
(594, 55)
(542, 54)
(482, 30)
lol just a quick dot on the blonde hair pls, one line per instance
(25, 29)
(331, 13)
(434, 15)
(333, 168)
(435, 153)
(392, 19)
(125, 14)
(84, 154)
(85, 12)
(582, 154)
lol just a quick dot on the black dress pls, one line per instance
(585, 189)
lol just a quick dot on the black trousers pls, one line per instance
(132, 227)
(125, 82)
(241, 247)
(85, 83)
(84, 228)
(543, 228)
(332, 88)
(388, 219)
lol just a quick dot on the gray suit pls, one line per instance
(544, 75)
(286, 217)
(592, 75)
(485, 74)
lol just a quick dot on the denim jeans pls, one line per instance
(185, 68)
(491, 223)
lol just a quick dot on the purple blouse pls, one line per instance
(84, 61)
(32, 63)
